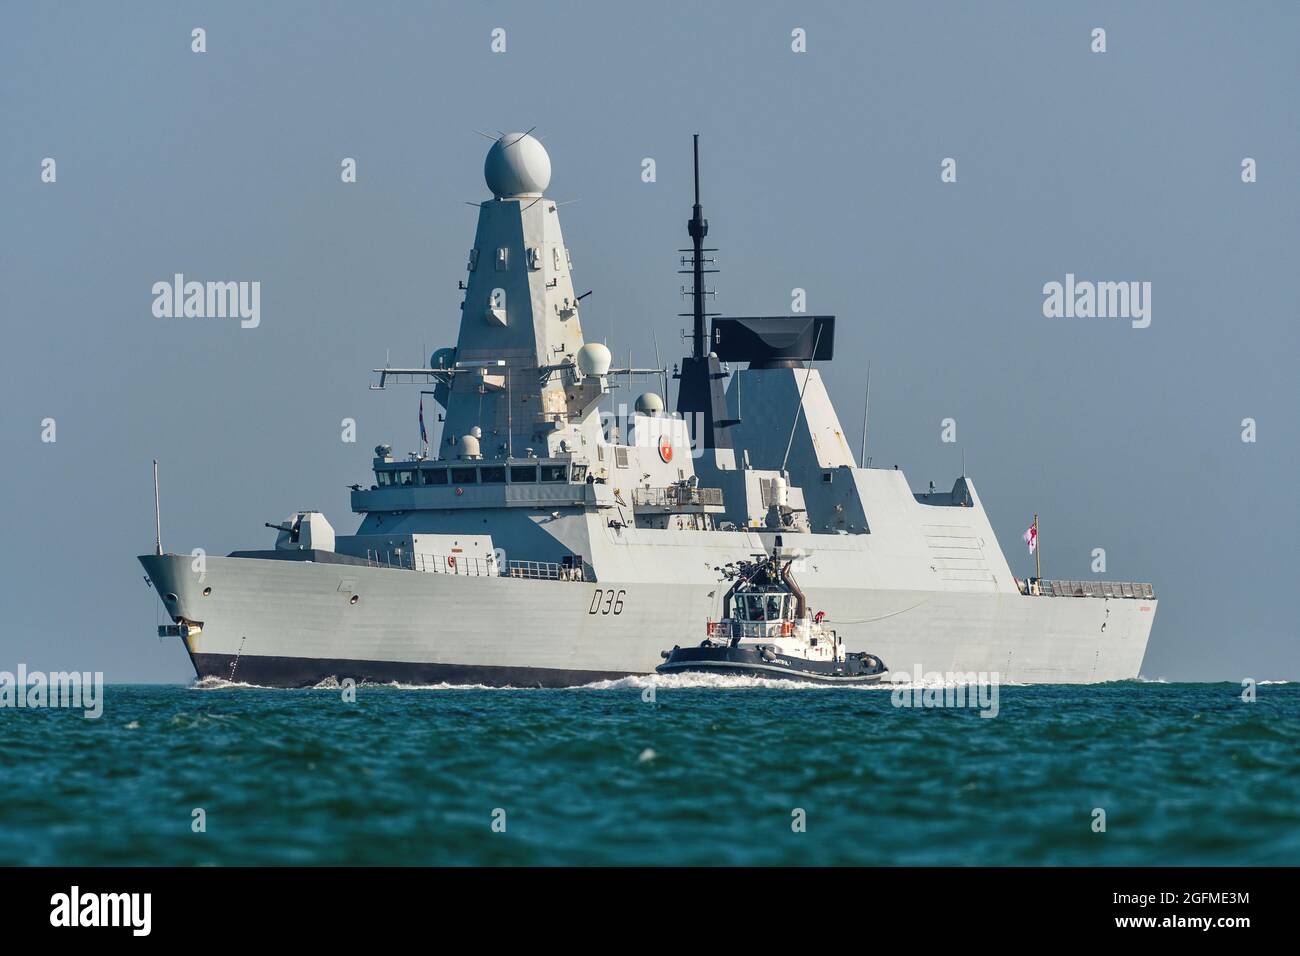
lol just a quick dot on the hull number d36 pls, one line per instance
(607, 601)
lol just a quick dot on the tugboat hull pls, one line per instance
(753, 662)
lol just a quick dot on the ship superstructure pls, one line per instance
(540, 540)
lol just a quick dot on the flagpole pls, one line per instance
(424, 435)
(157, 512)
(1038, 554)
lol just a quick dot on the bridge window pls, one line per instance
(579, 473)
(433, 476)
(464, 476)
(555, 472)
(405, 477)
(493, 475)
(385, 478)
(523, 474)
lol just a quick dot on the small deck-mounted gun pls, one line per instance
(290, 529)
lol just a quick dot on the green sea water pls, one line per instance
(724, 772)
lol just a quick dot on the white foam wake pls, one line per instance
(718, 682)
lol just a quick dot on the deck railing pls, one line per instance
(674, 496)
(434, 563)
(544, 571)
(473, 566)
(1100, 589)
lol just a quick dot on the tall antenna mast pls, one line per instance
(698, 228)
(799, 408)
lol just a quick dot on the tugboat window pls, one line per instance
(433, 476)
(464, 476)
(492, 476)
(555, 472)
(523, 473)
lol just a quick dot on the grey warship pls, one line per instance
(542, 541)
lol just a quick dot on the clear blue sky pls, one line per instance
(821, 171)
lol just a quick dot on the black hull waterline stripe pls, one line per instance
(310, 671)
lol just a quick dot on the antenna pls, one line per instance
(866, 407)
(698, 228)
(799, 410)
(157, 512)
(663, 372)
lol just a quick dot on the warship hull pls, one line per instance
(292, 623)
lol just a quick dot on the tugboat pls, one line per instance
(767, 630)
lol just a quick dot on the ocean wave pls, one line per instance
(217, 683)
(396, 685)
(639, 682)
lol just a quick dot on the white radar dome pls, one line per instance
(517, 165)
(468, 447)
(594, 359)
(648, 403)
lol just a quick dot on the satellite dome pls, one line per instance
(468, 447)
(648, 403)
(517, 165)
(594, 359)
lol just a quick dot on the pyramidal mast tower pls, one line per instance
(521, 380)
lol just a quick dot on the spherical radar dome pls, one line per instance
(648, 403)
(517, 165)
(594, 359)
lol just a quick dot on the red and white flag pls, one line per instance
(1031, 537)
